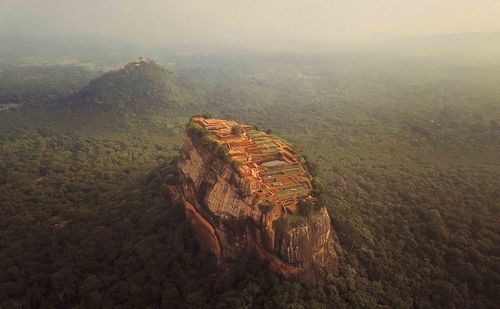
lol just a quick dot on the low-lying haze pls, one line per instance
(257, 24)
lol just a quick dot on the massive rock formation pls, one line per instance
(233, 216)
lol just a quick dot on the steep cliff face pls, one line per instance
(230, 222)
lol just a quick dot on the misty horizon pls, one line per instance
(258, 25)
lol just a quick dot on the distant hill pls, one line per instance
(139, 85)
(139, 94)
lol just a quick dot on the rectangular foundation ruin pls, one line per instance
(272, 170)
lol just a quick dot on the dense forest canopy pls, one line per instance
(406, 148)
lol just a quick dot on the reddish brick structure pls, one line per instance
(273, 171)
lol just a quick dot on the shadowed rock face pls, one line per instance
(227, 222)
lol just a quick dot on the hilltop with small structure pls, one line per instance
(139, 86)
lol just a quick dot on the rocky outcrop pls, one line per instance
(228, 221)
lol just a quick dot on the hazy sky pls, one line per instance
(248, 22)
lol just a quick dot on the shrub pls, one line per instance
(266, 206)
(283, 224)
(221, 152)
(305, 208)
(236, 130)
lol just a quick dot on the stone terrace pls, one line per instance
(272, 171)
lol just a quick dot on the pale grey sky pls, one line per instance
(248, 22)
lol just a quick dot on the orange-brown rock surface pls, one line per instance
(231, 221)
